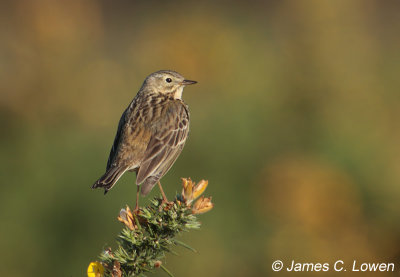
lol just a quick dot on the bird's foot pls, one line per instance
(136, 211)
(165, 201)
(166, 204)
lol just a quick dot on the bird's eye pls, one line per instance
(169, 80)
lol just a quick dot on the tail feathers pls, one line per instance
(148, 184)
(108, 180)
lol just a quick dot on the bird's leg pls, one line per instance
(165, 200)
(136, 210)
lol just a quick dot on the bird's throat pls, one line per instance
(178, 93)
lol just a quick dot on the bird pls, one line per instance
(151, 134)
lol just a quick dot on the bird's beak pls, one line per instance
(188, 82)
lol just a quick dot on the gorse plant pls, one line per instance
(151, 232)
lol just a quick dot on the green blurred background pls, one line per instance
(295, 122)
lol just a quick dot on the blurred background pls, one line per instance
(294, 122)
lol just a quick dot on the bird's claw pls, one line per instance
(166, 204)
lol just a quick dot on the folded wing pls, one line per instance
(168, 138)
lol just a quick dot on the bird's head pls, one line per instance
(166, 82)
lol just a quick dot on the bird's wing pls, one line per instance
(169, 134)
(117, 139)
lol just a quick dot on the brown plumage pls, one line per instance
(151, 132)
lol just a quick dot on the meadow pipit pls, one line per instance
(151, 133)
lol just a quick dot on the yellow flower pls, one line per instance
(187, 188)
(126, 217)
(199, 188)
(202, 205)
(191, 191)
(95, 269)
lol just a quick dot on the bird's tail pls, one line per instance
(148, 184)
(108, 180)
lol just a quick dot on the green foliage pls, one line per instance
(147, 236)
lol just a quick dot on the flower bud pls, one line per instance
(126, 217)
(202, 205)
